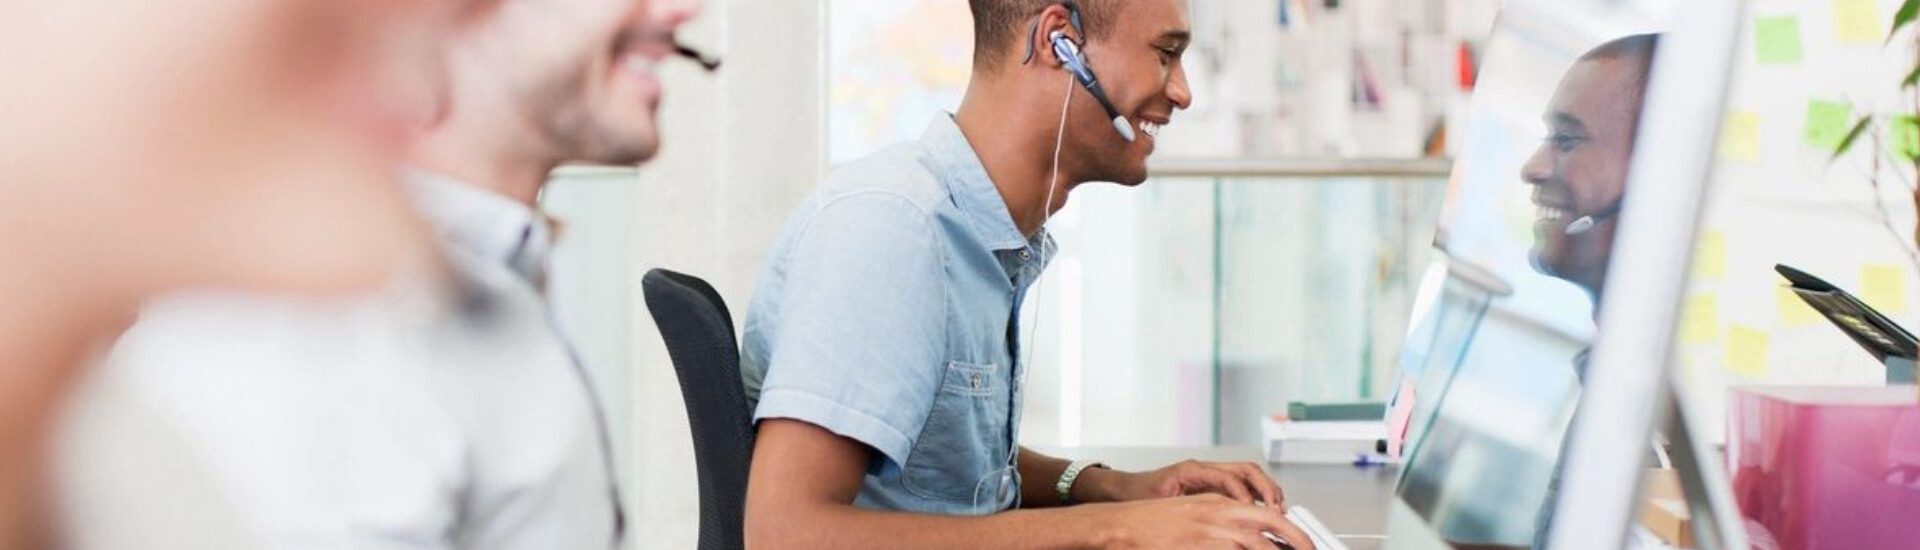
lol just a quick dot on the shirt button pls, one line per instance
(1026, 255)
(976, 382)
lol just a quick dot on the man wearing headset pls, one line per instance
(1579, 172)
(410, 420)
(880, 347)
(1579, 179)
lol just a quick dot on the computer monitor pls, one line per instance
(1538, 364)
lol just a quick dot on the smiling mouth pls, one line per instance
(1551, 214)
(1151, 125)
(1548, 207)
(638, 64)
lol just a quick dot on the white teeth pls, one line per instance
(1551, 214)
(1152, 130)
(638, 64)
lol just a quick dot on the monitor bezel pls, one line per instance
(1630, 378)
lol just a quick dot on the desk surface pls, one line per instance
(1353, 502)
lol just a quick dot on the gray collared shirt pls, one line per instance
(887, 313)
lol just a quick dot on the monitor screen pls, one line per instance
(1493, 367)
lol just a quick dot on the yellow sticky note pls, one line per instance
(1740, 137)
(1710, 257)
(1700, 320)
(1857, 22)
(1747, 351)
(1884, 287)
(1794, 311)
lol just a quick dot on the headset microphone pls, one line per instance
(1075, 63)
(1588, 222)
(707, 62)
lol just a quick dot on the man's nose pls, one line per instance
(1177, 90)
(1539, 168)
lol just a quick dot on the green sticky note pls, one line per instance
(1776, 40)
(1827, 124)
(1906, 136)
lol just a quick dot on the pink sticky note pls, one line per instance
(1400, 418)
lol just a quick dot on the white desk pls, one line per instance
(1352, 502)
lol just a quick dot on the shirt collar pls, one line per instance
(954, 161)
(482, 224)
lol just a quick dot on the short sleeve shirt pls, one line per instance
(887, 313)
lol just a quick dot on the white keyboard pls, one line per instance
(1323, 538)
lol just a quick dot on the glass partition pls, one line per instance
(1182, 312)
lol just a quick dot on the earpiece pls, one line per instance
(1076, 63)
(1071, 58)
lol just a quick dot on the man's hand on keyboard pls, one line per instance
(1245, 482)
(1207, 521)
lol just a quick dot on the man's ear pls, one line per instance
(1056, 18)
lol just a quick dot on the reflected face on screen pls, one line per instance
(1580, 169)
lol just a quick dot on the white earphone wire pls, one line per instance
(1053, 183)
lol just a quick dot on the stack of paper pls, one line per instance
(1322, 442)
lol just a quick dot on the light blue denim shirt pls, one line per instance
(886, 313)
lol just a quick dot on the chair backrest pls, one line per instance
(693, 320)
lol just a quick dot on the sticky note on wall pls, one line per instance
(1700, 320)
(1857, 22)
(1884, 287)
(1710, 257)
(1747, 351)
(1906, 136)
(1776, 40)
(1794, 311)
(1827, 124)
(1740, 137)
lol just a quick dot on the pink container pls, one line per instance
(1827, 467)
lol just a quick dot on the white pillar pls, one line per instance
(742, 146)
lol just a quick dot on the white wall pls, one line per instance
(742, 146)
(1777, 199)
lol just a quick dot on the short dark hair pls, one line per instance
(1637, 49)
(1000, 25)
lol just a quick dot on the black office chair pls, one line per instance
(699, 335)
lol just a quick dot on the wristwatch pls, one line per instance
(1064, 488)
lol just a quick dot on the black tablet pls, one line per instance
(1881, 336)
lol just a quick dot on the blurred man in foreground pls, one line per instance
(155, 146)
(408, 420)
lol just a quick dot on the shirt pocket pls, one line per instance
(964, 442)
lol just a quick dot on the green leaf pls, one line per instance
(1852, 136)
(1912, 78)
(1909, 9)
